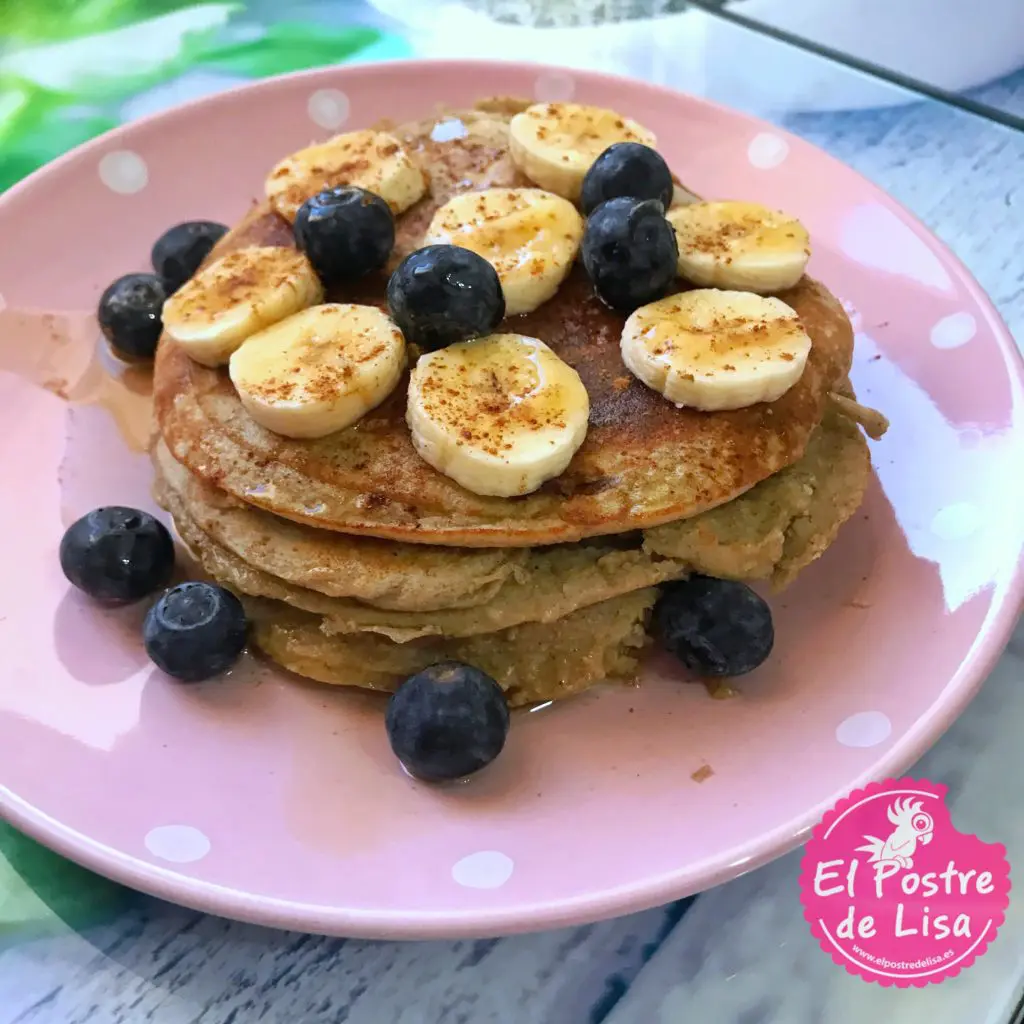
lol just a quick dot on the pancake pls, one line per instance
(784, 523)
(402, 577)
(644, 462)
(533, 662)
(553, 584)
(772, 531)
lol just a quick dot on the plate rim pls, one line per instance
(1007, 602)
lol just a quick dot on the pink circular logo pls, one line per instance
(894, 893)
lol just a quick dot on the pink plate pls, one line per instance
(278, 802)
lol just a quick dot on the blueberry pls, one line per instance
(714, 627)
(195, 631)
(179, 250)
(441, 294)
(117, 555)
(130, 315)
(346, 232)
(630, 252)
(446, 722)
(626, 169)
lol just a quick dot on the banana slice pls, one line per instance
(368, 159)
(499, 414)
(715, 350)
(529, 236)
(554, 144)
(740, 245)
(238, 295)
(320, 370)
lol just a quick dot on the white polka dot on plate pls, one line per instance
(328, 108)
(487, 869)
(3, 303)
(181, 844)
(554, 87)
(767, 150)
(957, 521)
(954, 330)
(124, 172)
(864, 729)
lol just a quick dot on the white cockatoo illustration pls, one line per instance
(913, 826)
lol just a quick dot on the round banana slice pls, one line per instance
(320, 370)
(740, 245)
(238, 295)
(715, 350)
(529, 236)
(554, 144)
(372, 160)
(499, 414)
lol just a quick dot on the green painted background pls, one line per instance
(71, 69)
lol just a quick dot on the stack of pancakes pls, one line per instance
(359, 564)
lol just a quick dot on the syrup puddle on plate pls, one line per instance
(65, 353)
